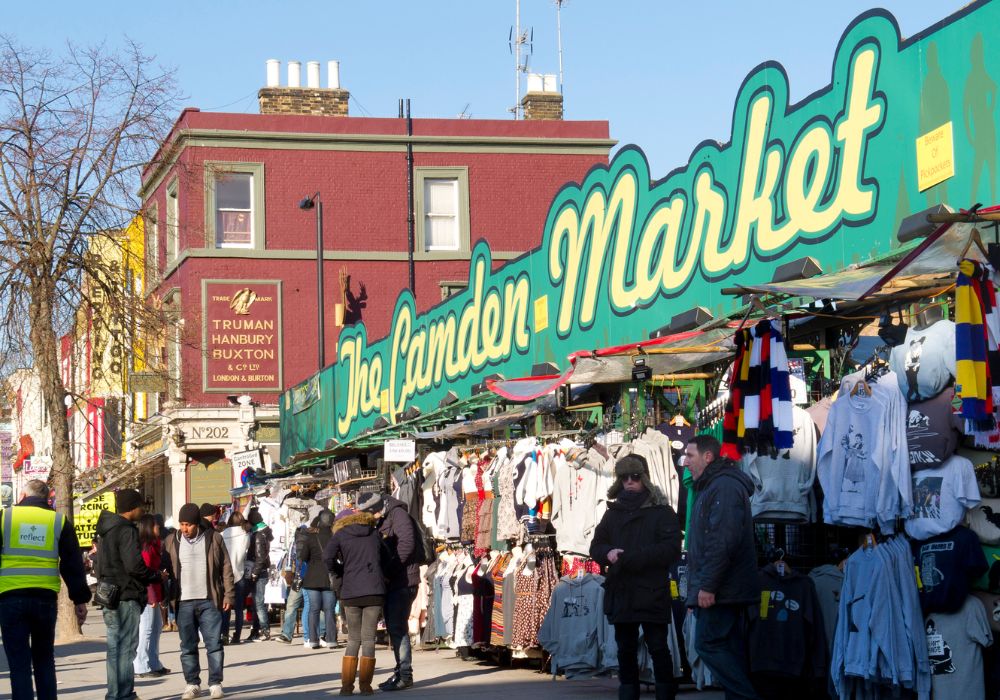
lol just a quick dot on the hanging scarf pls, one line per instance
(758, 414)
(975, 298)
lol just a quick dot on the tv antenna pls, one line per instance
(517, 39)
(465, 111)
(559, 4)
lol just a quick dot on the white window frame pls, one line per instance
(460, 175)
(173, 222)
(257, 214)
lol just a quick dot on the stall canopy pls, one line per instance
(935, 256)
(668, 355)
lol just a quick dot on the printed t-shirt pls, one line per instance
(931, 431)
(955, 647)
(925, 363)
(948, 564)
(941, 496)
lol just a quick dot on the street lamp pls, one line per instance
(306, 204)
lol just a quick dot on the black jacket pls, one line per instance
(119, 556)
(400, 535)
(356, 553)
(721, 554)
(636, 588)
(312, 544)
(70, 562)
(259, 552)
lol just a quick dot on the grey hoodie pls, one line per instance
(575, 630)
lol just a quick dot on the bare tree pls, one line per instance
(75, 133)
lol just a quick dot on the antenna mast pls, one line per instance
(559, 4)
(516, 40)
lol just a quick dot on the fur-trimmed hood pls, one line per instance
(656, 498)
(362, 518)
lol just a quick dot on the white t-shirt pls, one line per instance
(941, 496)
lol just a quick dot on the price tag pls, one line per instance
(920, 583)
(935, 645)
(765, 600)
(674, 592)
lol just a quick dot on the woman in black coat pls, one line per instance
(316, 581)
(356, 554)
(636, 542)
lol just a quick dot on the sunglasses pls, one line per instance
(634, 476)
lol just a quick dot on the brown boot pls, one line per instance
(348, 672)
(366, 671)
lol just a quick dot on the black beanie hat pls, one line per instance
(254, 518)
(189, 514)
(207, 510)
(127, 500)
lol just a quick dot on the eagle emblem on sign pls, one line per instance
(242, 300)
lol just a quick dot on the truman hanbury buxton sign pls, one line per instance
(241, 330)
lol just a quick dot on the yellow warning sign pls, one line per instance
(935, 157)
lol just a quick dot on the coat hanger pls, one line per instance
(977, 239)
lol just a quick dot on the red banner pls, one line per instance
(242, 336)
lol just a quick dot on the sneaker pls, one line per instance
(323, 643)
(216, 691)
(191, 692)
(254, 636)
(307, 644)
(163, 671)
(283, 639)
(400, 684)
(234, 639)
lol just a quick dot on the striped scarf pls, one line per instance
(977, 345)
(759, 411)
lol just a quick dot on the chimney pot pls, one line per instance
(333, 75)
(273, 72)
(549, 83)
(312, 74)
(294, 74)
(536, 82)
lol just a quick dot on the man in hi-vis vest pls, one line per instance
(37, 546)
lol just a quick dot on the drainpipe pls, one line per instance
(409, 195)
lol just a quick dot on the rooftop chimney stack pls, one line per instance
(543, 99)
(295, 99)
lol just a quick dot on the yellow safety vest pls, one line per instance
(30, 555)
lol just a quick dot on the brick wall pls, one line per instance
(315, 101)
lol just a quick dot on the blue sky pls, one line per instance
(665, 74)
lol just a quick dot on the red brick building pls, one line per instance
(233, 257)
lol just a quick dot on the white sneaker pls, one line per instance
(307, 644)
(323, 644)
(191, 692)
(216, 691)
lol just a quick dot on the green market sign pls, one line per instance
(830, 177)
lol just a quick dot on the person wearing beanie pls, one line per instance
(119, 560)
(357, 555)
(722, 564)
(259, 554)
(210, 513)
(370, 503)
(316, 581)
(205, 590)
(636, 543)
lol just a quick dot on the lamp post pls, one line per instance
(306, 204)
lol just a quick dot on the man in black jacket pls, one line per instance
(259, 554)
(399, 533)
(32, 535)
(636, 542)
(119, 559)
(722, 564)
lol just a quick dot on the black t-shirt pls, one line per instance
(948, 564)
(930, 431)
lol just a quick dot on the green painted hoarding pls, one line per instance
(830, 177)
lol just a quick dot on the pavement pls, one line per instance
(291, 672)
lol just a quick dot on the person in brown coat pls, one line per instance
(200, 566)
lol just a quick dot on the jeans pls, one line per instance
(123, 640)
(325, 601)
(194, 616)
(361, 625)
(293, 603)
(720, 640)
(147, 656)
(258, 601)
(28, 625)
(655, 637)
(397, 623)
(242, 588)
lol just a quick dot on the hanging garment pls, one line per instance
(977, 346)
(574, 500)
(788, 639)
(948, 565)
(534, 590)
(575, 630)
(829, 580)
(941, 497)
(932, 431)
(783, 484)
(924, 364)
(497, 615)
(955, 645)
(464, 604)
